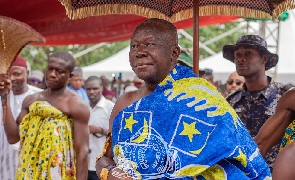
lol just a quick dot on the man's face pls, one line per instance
(151, 56)
(94, 90)
(57, 73)
(234, 82)
(18, 76)
(249, 62)
(76, 82)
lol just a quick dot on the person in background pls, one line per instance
(18, 75)
(35, 78)
(76, 84)
(107, 92)
(100, 112)
(186, 59)
(205, 138)
(208, 75)
(130, 87)
(138, 82)
(256, 101)
(281, 125)
(52, 127)
(234, 83)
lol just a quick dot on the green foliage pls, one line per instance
(37, 55)
(209, 32)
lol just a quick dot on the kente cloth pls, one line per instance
(289, 135)
(46, 144)
(185, 129)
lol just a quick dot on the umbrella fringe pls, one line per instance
(284, 6)
(106, 9)
(221, 10)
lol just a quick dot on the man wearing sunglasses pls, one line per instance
(256, 101)
(234, 82)
(36, 78)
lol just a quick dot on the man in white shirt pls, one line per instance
(18, 74)
(100, 112)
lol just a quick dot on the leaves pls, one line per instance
(37, 55)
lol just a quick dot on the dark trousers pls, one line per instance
(92, 175)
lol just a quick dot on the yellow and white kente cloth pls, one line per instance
(47, 145)
(185, 129)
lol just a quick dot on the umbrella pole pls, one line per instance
(196, 37)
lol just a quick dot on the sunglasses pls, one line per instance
(231, 81)
(36, 80)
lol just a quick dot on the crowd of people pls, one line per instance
(168, 123)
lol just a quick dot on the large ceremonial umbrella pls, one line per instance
(176, 10)
(14, 35)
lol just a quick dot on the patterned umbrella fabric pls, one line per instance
(177, 10)
(14, 36)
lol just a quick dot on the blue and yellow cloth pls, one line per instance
(185, 129)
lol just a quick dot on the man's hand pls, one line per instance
(95, 129)
(5, 85)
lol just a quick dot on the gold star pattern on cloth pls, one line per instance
(130, 122)
(242, 158)
(189, 130)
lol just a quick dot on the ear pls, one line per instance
(264, 58)
(175, 53)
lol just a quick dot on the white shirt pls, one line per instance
(8, 154)
(99, 116)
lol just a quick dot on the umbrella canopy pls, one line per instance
(49, 18)
(176, 10)
(14, 36)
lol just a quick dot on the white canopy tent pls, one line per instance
(285, 70)
(118, 63)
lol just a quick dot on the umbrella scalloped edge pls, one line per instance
(105, 9)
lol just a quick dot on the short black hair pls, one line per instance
(94, 78)
(160, 25)
(67, 57)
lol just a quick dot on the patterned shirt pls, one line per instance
(254, 108)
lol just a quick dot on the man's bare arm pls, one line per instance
(97, 129)
(273, 129)
(284, 166)
(122, 102)
(80, 113)
(10, 126)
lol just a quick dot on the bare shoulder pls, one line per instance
(32, 98)
(77, 106)
(123, 101)
(287, 101)
(126, 100)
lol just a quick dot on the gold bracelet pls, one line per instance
(105, 172)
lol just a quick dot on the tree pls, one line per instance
(36, 55)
